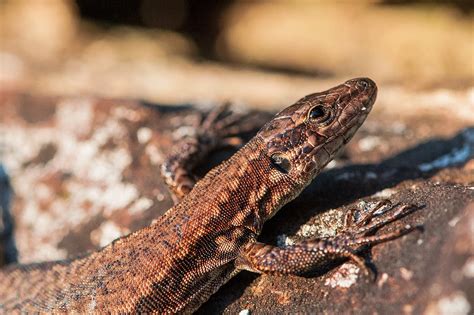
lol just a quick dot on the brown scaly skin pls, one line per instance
(178, 262)
(214, 131)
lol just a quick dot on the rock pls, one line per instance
(86, 170)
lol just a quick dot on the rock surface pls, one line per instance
(85, 171)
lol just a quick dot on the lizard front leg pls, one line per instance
(313, 254)
(219, 128)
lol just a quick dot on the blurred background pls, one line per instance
(263, 53)
(82, 153)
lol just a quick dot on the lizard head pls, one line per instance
(301, 139)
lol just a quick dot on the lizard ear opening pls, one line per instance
(281, 162)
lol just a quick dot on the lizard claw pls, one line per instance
(382, 213)
(224, 125)
(219, 128)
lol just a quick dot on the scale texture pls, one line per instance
(175, 264)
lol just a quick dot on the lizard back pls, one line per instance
(176, 263)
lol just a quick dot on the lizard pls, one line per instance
(177, 262)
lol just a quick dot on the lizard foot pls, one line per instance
(382, 213)
(357, 230)
(225, 127)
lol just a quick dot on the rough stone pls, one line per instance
(85, 170)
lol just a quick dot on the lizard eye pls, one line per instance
(319, 114)
(281, 162)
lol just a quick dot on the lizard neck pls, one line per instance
(248, 187)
